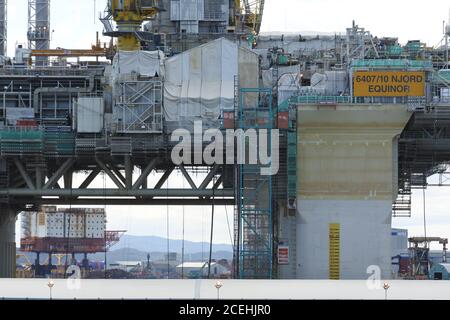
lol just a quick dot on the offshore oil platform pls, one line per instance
(361, 121)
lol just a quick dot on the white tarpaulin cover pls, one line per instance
(199, 83)
(145, 63)
(133, 96)
(288, 86)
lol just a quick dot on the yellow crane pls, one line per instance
(59, 257)
(97, 50)
(27, 261)
(26, 272)
(129, 16)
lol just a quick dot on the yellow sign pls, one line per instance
(41, 218)
(388, 84)
(335, 251)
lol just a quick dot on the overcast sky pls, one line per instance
(75, 23)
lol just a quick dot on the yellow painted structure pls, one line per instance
(129, 16)
(346, 151)
(389, 84)
(335, 250)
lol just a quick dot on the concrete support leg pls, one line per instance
(50, 266)
(7, 244)
(37, 264)
(347, 182)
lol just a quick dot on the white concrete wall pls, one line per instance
(365, 237)
(288, 237)
(231, 290)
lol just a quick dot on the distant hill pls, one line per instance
(159, 244)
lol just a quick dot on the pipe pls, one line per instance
(143, 177)
(134, 202)
(38, 91)
(117, 193)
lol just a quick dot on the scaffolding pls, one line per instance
(53, 142)
(360, 44)
(401, 208)
(138, 107)
(254, 199)
(17, 141)
(419, 249)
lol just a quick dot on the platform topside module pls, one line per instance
(361, 120)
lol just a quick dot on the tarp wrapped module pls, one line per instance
(199, 83)
(144, 63)
(136, 88)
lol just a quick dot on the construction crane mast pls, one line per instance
(129, 16)
(39, 27)
(3, 27)
(249, 14)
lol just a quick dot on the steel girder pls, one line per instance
(39, 184)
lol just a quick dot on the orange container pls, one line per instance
(26, 123)
(228, 119)
(283, 120)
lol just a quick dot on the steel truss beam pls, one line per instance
(59, 173)
(134, 202)
(117, 192)
(90, 178)
(127, 193)
(188, 177)
(110, 174)
(24, 174)
(145, 173)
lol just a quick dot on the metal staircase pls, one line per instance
(255, 198)
(401, 208)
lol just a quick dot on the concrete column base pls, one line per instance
(365, 238)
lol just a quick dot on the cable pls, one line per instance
(212, 232)
(104, 192)
(182, 244)
(424, 217)
(168, 232)
(229, 228)
(68, 233)
(203, 233)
